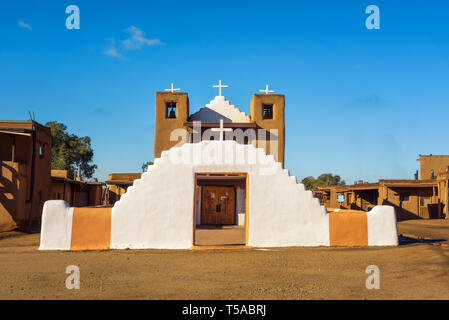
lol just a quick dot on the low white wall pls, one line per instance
(56, 230)
(382, 228)
(157, 211)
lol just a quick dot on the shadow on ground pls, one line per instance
(403, 240)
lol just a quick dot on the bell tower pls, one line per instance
(172, 110)
(267, 111)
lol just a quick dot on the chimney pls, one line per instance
(416, 175)
(360, 182)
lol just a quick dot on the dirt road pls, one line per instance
(410, 271)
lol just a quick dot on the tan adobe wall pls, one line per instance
(164, 127)
(256, 107)
(429, 162)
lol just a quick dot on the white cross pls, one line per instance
(172, 89)
(266, 90)
(221, 129)
(219, 86)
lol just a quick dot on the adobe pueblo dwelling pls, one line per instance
(218, 166)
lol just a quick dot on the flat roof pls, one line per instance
(120, 182)
(382, 182)
(225, 124)
(55, 178)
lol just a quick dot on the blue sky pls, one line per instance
(360, 103)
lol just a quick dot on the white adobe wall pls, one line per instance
(157, 211)
(56, 230)
(220, 108)
(382, 228)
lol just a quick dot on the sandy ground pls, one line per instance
(410, 271)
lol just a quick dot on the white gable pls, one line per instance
(220, 108)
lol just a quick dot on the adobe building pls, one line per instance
(263, 128)
(426, 198)
(25, 164)
(267, 113)
(77, 193)
(117, 184)
(215, 167)
(431, 165)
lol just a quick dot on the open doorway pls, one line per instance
(220, 209)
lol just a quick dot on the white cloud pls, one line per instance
(138, 39)
(112, 50)
(24, 25)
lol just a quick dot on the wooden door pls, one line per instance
(208, 205)
(226, 205)
(218, 205)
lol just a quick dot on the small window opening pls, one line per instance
(267, 111)
(171, 110)
(405, 196)
(424, 201)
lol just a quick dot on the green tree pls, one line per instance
(69, 151)
(326, 179)
(145, 165)
(309, 183)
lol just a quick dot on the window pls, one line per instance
(41, 150)
(267, 111)
(405, 196)
(171, 110)
(424, 201)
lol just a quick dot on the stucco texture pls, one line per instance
(158, 210)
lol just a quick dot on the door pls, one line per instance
(424, 202)
(226, 205)
(218, 205)
(208, 205)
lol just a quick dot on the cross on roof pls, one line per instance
(221, 129)
(266, 90)
(219, 86)
(172, 89)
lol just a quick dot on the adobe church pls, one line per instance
(217, 166)
(220, 198)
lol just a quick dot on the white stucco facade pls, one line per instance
(220, 108)
(157, 211)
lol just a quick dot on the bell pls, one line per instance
(172, 114)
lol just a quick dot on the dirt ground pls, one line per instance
(417, 269)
